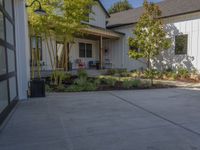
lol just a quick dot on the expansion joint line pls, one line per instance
(155, 114)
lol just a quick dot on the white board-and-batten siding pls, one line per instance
(98, 17)
(179, 25)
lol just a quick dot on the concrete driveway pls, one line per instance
(164, 119)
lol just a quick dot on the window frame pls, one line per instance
(11, 46)
(86, 50)
(184, 52)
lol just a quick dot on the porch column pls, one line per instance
(101, 52)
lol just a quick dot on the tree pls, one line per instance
(62, 22)
(150, 37)
(120, 6)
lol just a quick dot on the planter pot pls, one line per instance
(37, 88)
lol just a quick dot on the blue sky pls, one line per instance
(135, 3)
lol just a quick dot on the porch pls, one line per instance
(96, 49)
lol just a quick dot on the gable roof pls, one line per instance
(169, 8)
(104, 9)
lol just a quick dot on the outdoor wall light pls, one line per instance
(39, 11)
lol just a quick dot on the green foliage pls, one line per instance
(118, 72)
(79, 86)
(183, 73)
(151, 73)
(150, 36)
(64, 17)
(83, 83)
(123, 73)
(58, 77)
(62, 22)
(74, 88)
(121, 5)
(82, 73)
(48, 88)
(109, 81)
(67, 76)
(111, 71)
(60, 88)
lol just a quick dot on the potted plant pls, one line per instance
(37, 84)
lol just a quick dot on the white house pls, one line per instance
(99, 45)
(107, 38)
(182, 19)
(14, 56)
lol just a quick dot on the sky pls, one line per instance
(135, 3)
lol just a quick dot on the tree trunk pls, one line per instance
(150, 70)
(66, 56)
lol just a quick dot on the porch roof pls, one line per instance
(105, 33)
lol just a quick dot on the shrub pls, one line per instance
(123, 73)
(97, 82)
(67, 76)
(89, 86)
(111, 72)
(151, 73)
(74, 88)
(60, 88)
(109, 81)
(127, 84)
(82, 73)
(81, 81)
(57, 77)
(136, 83)
(48, 88)
(183, 73)
(145, 84)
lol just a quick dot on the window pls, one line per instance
(8, 7)
(3, 95)
(9, 32)
(181, 44)
(88, 50)
(81, 50)
(85, 50)
(1, 26)
(36, 48)
(8, 82)
(2, 61)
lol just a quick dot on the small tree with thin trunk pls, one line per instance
(64, 20)
(150, 37)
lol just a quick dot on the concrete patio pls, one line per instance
(163, 119)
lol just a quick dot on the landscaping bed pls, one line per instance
(64, 82)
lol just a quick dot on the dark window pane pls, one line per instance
(3, 95)
(13, 88)
(89, 50)
(181, 44)
(81, 50)
(9, 32)
(11, 60)
(2, 61)
(8, 7)
(1, 26)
